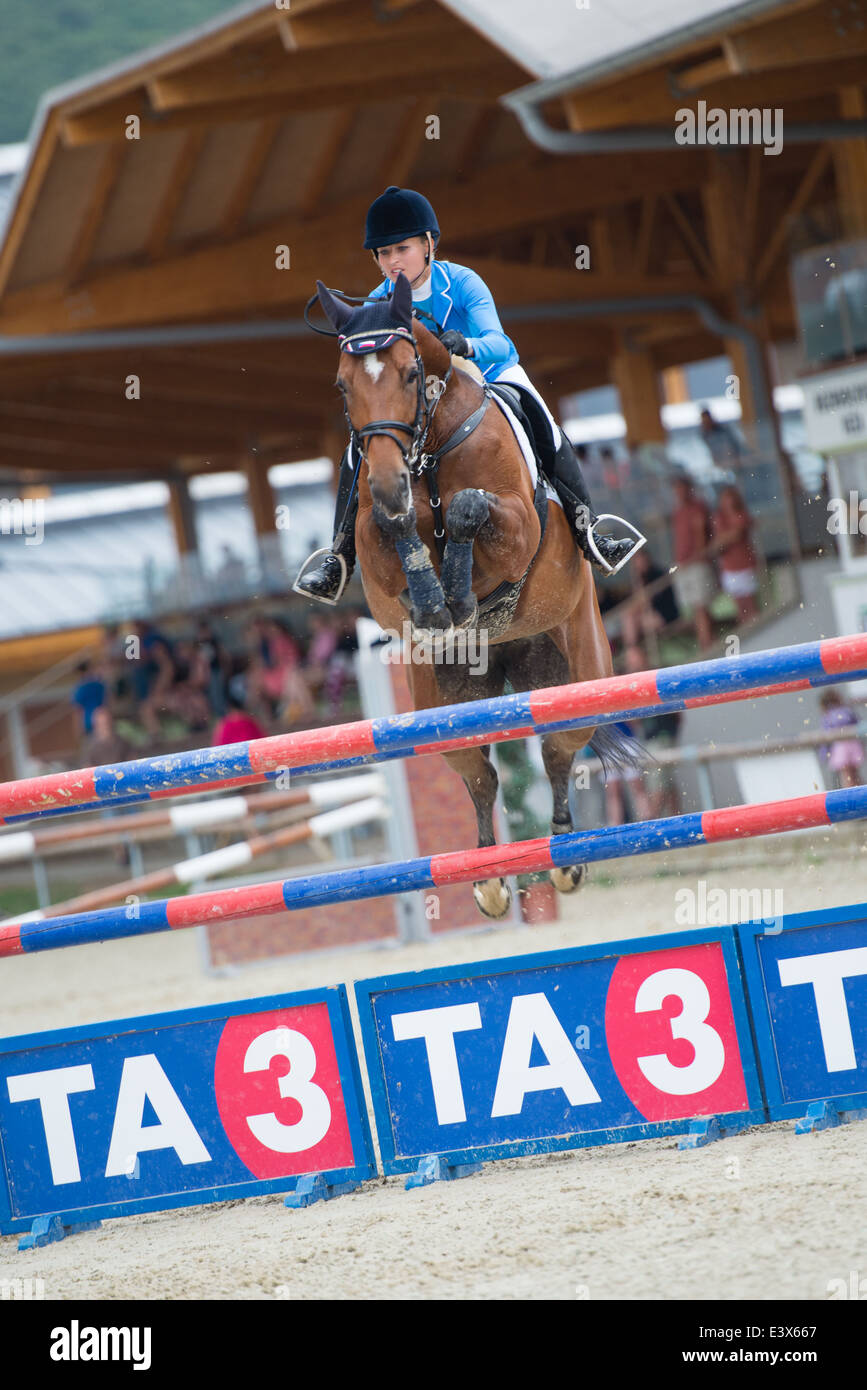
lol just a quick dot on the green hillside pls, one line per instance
(46, 42)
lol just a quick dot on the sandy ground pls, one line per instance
(765, 1215)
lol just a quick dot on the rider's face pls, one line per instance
(407, 256)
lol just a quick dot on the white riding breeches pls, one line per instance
(516, 376)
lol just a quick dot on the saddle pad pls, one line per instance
(526, 447)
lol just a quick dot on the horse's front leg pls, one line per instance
(428, 605)
(467, 513)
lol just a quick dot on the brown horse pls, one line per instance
(407, 402)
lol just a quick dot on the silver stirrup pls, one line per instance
(591, 541)
(344, 577)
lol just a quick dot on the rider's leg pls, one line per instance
(326, 582)
(564, 470)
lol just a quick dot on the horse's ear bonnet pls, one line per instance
(374, 326)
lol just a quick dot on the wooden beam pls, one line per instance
(814, 171)
(351, 25)
(100, 196)
(850, 166)
(691, 241)
(167, 207)
(27, 198)
(398, 162)
(335, 143)
(281, 73)
(696, 76)
(483, 84)
(784, 40)
(472, 148)
(248, 181)
(643, 240)
(240, 276)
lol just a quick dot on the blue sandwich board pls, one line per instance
(201, 1105)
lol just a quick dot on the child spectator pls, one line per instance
(845, 755)
(732, 528)
(237, 726)
(89, 694)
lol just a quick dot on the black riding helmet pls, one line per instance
(396, 214)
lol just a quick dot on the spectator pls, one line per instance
(732, 528)
(276, 657)
(231, 577)
(648, 615)
(105, 744)
(236, 726)
(161, 678)
(89, 694)
(845, 755)
(694, 581)
(215, 659)
(721, 440)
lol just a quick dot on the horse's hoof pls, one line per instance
(493, 897)
(568, 879)
(433, 637)
(465, 619)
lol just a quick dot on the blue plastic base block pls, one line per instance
(314, 1188)
(435, 1169)
(46, 1229)
(824, 1114)
(701, 1132)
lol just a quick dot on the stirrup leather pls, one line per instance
(591, 541)
(344, 577)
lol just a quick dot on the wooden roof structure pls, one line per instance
(157, 194)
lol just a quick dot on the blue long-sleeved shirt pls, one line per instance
(462, 300)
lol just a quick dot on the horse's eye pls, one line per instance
(413, 377)
(341, 386)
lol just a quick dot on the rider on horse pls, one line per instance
(402, 232)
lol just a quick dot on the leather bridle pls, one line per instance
(428, 397)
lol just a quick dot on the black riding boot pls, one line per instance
(606, 552)
(328, 580)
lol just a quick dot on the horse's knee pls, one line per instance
(466, 515)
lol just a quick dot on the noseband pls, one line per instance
(428, 397)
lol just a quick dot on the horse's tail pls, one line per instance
(618, 751)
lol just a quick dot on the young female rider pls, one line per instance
(402, 232)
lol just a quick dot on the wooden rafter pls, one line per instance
(691, 240)
(483, 84)
(646, 223)
(335, 142)
(239, 276)
(100, 196)
(182, 172)
(400, 158)
(312, 31)
(814, 171)
(471, 150)
(287, 74)
(248, 181)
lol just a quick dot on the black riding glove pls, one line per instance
(456, 343)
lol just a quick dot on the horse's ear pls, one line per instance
(335, 310)
(401, 301)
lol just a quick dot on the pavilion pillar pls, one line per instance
(850, 166)
(182, 514)
(637, 381)
(266, 522)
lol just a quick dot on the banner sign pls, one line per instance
(591, 1045)
(201, 1105)
(807, 985)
